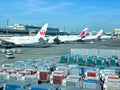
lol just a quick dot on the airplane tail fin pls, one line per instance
(99, 34)
(113, 33)
(42, 31)
(84, 32)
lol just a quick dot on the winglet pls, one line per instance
(84, 32)
(42, 31)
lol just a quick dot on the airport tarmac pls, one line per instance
(54, 51)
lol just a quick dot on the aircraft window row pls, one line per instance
(26, 39)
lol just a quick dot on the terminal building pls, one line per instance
(117, 32)
(20, 29)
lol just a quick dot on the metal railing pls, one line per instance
(98, 52)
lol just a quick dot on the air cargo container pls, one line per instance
(15, 77)
(45, 87)
(4, 76)
(89, 62)
(112, 61)
(78, 70)
(80, 60)
(92, 75)
(99, 62)
(71, 59)
(106, 72)
(49, 65)
(2, 84)
(72, 80)
(63, 59)
(59, 65)
(57, 79)
(71, 66)
(56, 76)
(31, 68)
(60, 72)
(112, 83)
(91, 84)
(44, 75)
(31, 78)
(63, 69)
(14, 85)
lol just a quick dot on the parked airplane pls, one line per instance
(67, 38)
(93, 37)
(110, 36)
(26, 40)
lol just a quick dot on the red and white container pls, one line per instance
(32, 71)
(92, 75)
(112, 83)
(44, 76)
(57, 79)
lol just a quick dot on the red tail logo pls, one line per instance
(83, 34)
(42, 32)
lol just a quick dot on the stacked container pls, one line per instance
(2, 84)
(4, 76)
(112, 83)
(92, 80)
(58, 76)
(44, 75)
(63, 59)
(71, 59)
(15, 85)
(91, 84)
(15, 77)
(31, 78)
(45, 87)
(75, 77)
(80, 60)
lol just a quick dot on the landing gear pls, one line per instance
(57, 41)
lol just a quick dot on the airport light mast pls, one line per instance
(7, 25)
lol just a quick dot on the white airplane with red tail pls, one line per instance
(26, 40)
(68, 38)
(93, 37)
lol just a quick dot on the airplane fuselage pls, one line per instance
(68, 38)
(21, 40)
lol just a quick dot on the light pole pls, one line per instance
(7, 25)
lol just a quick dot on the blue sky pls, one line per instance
(68, 15)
